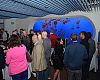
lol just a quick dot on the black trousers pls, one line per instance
(1, 74)
(99, 68)
(21, 76)
(85, 71)
(74, 74)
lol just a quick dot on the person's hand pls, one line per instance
(36, 69)
(51, 63)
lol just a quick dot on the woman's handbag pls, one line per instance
(28, 57)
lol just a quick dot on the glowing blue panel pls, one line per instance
(64, 27)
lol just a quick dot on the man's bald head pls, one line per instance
(44, 34)
(74, 37)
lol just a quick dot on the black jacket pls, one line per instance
(86, 44)
(2, 58)
(58, 63)
(92, 48)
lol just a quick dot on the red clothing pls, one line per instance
(53, 39)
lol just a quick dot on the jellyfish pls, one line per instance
(78, 22)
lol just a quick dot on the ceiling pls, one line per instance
(40, 8)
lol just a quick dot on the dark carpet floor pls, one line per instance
(92, 76)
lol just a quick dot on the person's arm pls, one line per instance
(8, 57)
(2, 57)
(28, 43)
(92, 48)
(85, 54)
(66, 56)
(47, 48)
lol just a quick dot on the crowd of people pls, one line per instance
(46, 52)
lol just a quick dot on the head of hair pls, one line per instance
(31, 30)
(44, 34)
(14, 41)
(85, 34)
(35, 35)
(16, 29)
(74, 37)
(35, 38)
(22, 29)
(39, 32)
(89, 35)
(24, 32)
(2, 29)
(58, 41)
(52, 31)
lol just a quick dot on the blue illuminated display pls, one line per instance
(64, 27)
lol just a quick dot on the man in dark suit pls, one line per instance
(74, 57)
(92, 46)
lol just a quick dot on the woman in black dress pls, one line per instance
(58, 58)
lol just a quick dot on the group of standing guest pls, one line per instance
(44, 51)
(19, 46)
(78, 56)
(4, 36)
